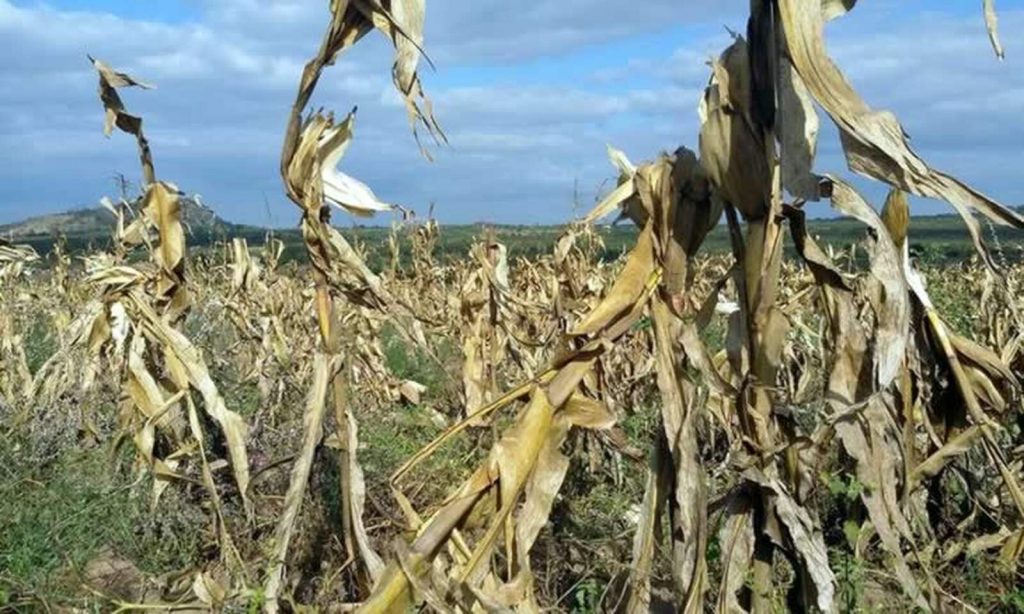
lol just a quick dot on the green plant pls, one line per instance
(586, 597)
(54, 518)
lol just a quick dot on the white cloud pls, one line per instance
(522, 132)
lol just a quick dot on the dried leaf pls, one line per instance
(732, 147)
(805, 537)
(312, 431)
(992, 25)
(627, 290)
(874, 141)
(338, 188)
(797, 134)
(893, 310)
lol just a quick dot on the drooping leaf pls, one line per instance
(992, 25)
(874, 142)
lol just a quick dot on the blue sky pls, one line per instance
(529, 93)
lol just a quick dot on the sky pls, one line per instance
(528, 92)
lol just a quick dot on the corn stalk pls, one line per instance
(163, 367)
(313, 147)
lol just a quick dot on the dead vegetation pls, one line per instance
(741, 433)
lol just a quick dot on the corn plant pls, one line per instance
(814, 422)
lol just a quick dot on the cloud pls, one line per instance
(529, 93)
(509, 31)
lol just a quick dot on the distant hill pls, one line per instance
(940, 238)
(97, 222)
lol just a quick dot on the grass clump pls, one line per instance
(57, 516)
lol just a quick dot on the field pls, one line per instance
(81, 526)
(718, 406)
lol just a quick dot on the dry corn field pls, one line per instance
(788, 426)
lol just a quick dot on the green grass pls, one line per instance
(954, 299)
(56, 517)
(408, 362)
(989, 585)
(388, 439)
(40, 343)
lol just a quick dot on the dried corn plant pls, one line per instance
(131, 335)
(313, 147)
(725, 398)
(758, 135)
(13, 259)
(16, 382)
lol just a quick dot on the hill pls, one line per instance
(96, 222)
(937, 238)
